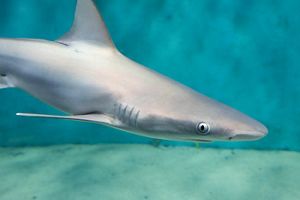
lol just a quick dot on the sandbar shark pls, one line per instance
(84, 75)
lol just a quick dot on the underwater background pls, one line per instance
(245, 54)
(242, 53)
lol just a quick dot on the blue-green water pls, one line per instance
(243, 53)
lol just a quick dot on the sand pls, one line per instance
(140, 172)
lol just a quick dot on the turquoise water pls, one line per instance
(243, 53)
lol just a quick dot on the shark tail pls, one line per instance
(5, 82)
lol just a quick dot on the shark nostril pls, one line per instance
(2, 74)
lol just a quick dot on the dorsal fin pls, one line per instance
(88, 26)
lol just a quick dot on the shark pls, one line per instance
(83, 74)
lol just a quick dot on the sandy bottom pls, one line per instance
(138, 172)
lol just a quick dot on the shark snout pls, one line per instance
(242, 128)
(257, 132)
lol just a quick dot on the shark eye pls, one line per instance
(203, 128)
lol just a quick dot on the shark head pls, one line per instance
(223, 123)
(201, 119)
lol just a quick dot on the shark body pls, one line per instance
(84, 75)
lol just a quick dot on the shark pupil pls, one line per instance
(203, 128)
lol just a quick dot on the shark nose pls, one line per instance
(256, 134)
(248, 136)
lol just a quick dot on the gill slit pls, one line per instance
(124, 114)
(130, 114)
(136, 118)
(127, 114)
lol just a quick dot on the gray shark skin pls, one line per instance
(84, 75)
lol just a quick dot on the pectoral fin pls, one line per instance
(203, 141)
(92, 118)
